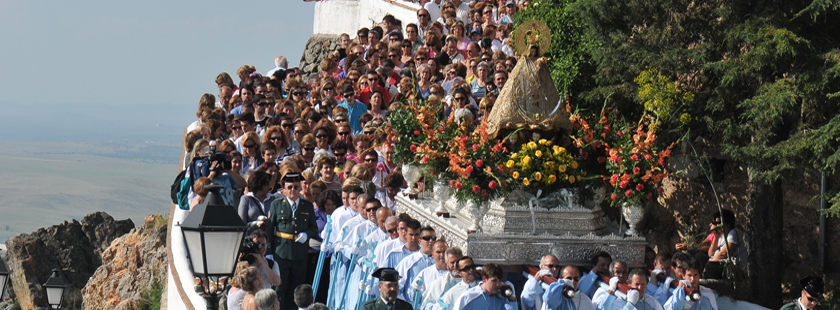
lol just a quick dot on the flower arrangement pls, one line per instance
(543, 165)
(409, 126)
(475, 168)
(635, 166)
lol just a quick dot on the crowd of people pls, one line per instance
(305, 163)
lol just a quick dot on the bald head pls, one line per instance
(571, 273)
(382, 215)
(550, 262)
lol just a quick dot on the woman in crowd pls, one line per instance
(326, 173)
(200, 191)
(461, 34)
(273, 171)
(251, 282)
(324, 137)
(256, 201)
(236, 293)
(251, 158)
(301, 129)
(424, 82)
(377, 104)
(479, 84)
(308, 145)
(306, 184)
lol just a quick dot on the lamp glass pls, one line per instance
(3, 278)
(54, 295)
(221, 248)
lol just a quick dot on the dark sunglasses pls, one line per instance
(275, 138)
(348, 95)
(429, 238)
(293, 187)
(321, 137)
(467, 268)
(391, 231)
(370, 160)
(460, 98)
(552, 266)
(249, 146)
(328, 89)
(298, 93)
(339, 154)
(287, 125)
(343, 133)
(309, 149)
(422, 15)
(236, 127)
(372, 209)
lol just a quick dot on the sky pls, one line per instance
(104, 52)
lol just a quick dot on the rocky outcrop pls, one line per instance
(131, 265)
(317, 49)
(72, 247)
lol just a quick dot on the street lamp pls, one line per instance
(55, 290)
(4, 278)
(213, 233)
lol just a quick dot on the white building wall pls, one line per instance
(348, 16)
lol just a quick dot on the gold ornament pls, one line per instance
(532, 33)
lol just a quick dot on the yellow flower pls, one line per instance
(514, 156)
(538, 153)
(543, 142)
(562, 168)
(538, 176)
(549, 164)
(572, 179)
(509, 164)
(556, 150)
(552, 178)
(515, 175)
(532, 145)
(574, 165)
(526, 160)
(526, 182)
(562, 150)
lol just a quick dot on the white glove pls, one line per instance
(261, 219)
(369, 290)
(362, 285)
(302, 237)
(633, 296)
(543, 273)
(686, 282)
(614, 284)
(568, 283)
(668, 281)
(416, 284)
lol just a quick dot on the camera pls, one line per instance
(249, 247)
(221, 158)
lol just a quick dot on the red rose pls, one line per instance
(432, 173)
(596, 145)
(479, 163)
(458, 185)
(662, 161)
(394, 139)
(504, 183)
(497, 148)
(501, 167)
(614, 178)
(628, 193)
(475, 147)
(485, 195)
(585, 155)
(622, 184)
(637, 170)
(469, 169)
(640, 187)
(649, 196)
(476, 188)
(413, 148)
(614, 197)
(634, 157)
(451, 183)
(417, 132)
(620, 134)
(426, 159)
(648, 157)
(601, 159)
(492, 185)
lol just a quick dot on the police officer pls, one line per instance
(291, 221)
(812, 291)
(389, 288)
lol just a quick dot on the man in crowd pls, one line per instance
(636, 296)
(469, 279)
(812, 291)
(679, 262)
(447, 280)
(426, 276)
(599, 262)
(533, 291)
(701, 297)
(490, 294)
(412, 245)
(303, 296)
(269, 269)
(389, 287)
(290, 223)
(618, 269)
(410, 266)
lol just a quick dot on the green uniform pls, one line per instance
(378, 304)
(795, 306)
(283, 227)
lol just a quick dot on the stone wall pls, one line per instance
(317, 49)
(131, 265)
(72, 247)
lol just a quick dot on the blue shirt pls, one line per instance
(354, 113)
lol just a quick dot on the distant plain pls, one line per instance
(79, 160)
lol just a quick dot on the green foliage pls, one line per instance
(150, 298)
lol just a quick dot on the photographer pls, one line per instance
(220, 173)
(254, 253)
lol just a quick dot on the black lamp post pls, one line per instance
(4, 278)
(55, 290)
(213, 233)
